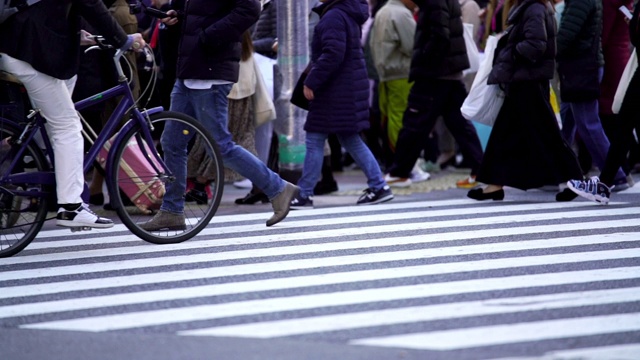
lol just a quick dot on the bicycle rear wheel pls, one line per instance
(204, 159)
(21, 214)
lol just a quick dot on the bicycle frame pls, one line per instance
(111, 127)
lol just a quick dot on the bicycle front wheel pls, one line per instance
(22, 212)
(137, 188)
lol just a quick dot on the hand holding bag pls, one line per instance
(629, 70)
(297, 97)
(484, 101)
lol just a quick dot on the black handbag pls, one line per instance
(297, 97)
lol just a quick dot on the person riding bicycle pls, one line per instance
(40, 45)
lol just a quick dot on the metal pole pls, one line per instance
(293, 56)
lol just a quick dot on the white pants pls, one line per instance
(53, 97)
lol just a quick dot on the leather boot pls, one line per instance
(165, 220)
(282, 203)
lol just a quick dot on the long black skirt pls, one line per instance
(526, 149)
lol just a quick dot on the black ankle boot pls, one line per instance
(252, 198)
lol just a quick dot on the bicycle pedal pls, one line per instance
(80, 228)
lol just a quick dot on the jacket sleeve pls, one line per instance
(573, 19)
(231, 27)
(406, 28)
(534, 32)
(96, 14)
(266, 30)
(333, 40)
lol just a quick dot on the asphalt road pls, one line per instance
(430, 275)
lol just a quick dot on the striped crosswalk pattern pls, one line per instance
(450, 276)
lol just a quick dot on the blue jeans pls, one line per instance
(583, 118)
(210, 108)
(354, 145)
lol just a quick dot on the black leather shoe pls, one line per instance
(477, 194)
(96, 199)
(325, 187)
(252, 198)
(199, 196)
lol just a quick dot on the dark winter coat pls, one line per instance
(634, 29)
(338, 76)
(47, 34)
(529, 50)
(439, 48)
(580, 29)
(266, 30)
(615, 48)
(210, 44)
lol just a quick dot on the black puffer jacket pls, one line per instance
(580, 30)
(210, 44)
(47, 34)
(266, 30)
(530, 49)
(439, 49)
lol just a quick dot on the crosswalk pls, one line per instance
(449, 276)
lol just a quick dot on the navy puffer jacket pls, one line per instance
(338, 76)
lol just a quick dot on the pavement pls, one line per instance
(351, 183)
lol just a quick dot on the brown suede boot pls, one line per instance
(165, 221)
(282, 203)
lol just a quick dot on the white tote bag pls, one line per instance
(484, 101)
(629, 70)
(472, 49)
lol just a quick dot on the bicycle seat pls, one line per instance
(9, 77)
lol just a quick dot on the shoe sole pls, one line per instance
(589, 196)
(381, 200)
(71, 224)
(167, 228)
(298, 207)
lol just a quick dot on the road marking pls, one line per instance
(252, 307)
(509, 334)
(350, 321)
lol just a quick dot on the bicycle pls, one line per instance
(27, 181)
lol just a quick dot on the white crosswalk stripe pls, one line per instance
(443, 276)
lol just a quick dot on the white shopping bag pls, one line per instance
(484, 101)
(472, 50)
(629, 70)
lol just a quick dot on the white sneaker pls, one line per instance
(81, 217)
(419, 175)
(243, 184)
(397, 181)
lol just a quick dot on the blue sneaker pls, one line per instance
(299, 203)
(591, 189)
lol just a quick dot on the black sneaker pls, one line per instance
(298, 203)
(371, 197)
(81, 217)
